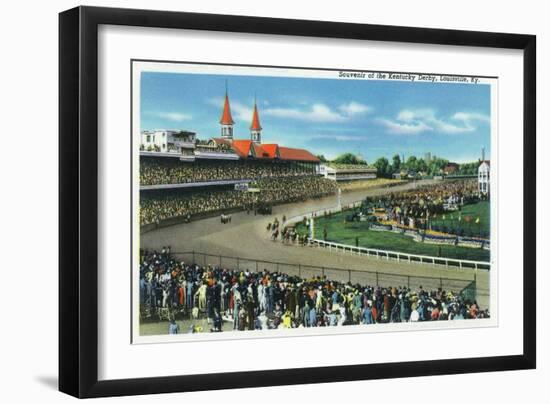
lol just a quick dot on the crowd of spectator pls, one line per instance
(156, 171)
(348, 186)
(150, 148)
(425, 202)
(269, 300)
(155, 206)
(211, 147)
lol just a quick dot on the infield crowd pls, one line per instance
(419, 205)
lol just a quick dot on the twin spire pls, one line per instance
(226, 121)
(226, 118)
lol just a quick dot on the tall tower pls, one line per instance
(255, 127)
(226, 121)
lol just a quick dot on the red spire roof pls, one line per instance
(226, 118)
(255, 120)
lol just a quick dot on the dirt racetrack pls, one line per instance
(246, 237)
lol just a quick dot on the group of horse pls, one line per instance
(287, 234)
(225, 218)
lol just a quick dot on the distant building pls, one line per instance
(484, 177)
(450, 168)
(428, 158)
(404, 174)
(167, 141)
(347, 172)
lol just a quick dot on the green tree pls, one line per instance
(436, 165)
(396, 163)
(411, 163)
(468, 168)
(322, 158)
(349, 158)
(383, 167)
(421, 165)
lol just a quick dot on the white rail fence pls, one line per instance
(399, 256)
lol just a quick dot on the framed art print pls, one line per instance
(280, 202)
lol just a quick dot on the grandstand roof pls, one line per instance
(241, 147)
(245, 148)
(288, 153)
(260, 152)
(226, 118)
(272, 150)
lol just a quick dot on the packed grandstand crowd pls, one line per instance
(155, 171)
(269, 300)
(155, 207)
(208, 147)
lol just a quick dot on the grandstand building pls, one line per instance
(167, 141)
(347, 172)
(196, 155)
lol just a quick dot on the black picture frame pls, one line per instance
(78, 200)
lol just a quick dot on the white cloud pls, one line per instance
(408, 115)
(317, 112)
(338, 137)
(403, 128)
(354, 108)
(422, 120)
(471, 117)
(241, 112)
(173, 116)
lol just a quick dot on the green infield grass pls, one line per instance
(475, 220)
(358, 233)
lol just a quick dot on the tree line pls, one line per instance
(385, 168)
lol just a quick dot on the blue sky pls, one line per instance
(327, 116)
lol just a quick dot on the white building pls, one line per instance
(349, 173)
(483, 177)
(167, 141)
